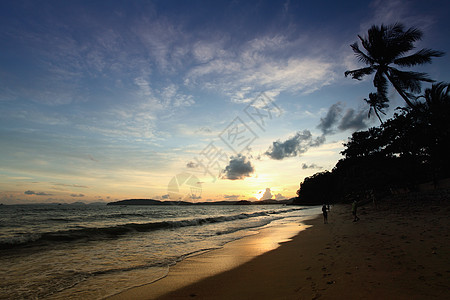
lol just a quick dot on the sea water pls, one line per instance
(94, 251)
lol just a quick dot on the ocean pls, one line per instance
(94, 251)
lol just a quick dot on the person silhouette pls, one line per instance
(325, 214)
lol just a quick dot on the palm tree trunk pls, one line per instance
(379, 118)
(399, 90)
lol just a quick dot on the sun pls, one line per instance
(259, 194)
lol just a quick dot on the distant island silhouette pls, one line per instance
(238, 202)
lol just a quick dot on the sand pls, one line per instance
(399, 250)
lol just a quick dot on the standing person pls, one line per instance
(325, 214)
(354, 207)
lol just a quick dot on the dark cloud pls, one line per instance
(311, 166)
(72, 185)
(37, 194)
(76, 195)
(231, 197)
(294, 146)
(333, 115)
(191, 165)
(238, 168)
(353, 120)
(317, 141)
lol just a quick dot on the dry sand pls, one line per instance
(398, 251)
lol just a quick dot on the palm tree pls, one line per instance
(387, 45)
(377, 104)
(437, 96)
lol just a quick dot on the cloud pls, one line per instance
(350, 119)
(326, 124)
(280, 197)
(353, 120)
(72, 185)
(163, 197)
(271, 63)
(311, 166)
(238, 168)
(191, 165)
(267, 194)
(393, 11)
(37, 193)
(76, 195)
(167, 97)
(231, 197)
(294, 146)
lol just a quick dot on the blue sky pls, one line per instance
(105, 100)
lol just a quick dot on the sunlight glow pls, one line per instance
(259, 194)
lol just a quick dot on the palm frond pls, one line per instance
(362, 57)
(438, 94)
(409, 81)
(365, 42)
(411, 35)
(359, 73)
(375, 43)
(420, 57)
(399, 42)
(395, 28)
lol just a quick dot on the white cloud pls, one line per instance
(262, 64)
(267, 194)
(393, 11)
(279, 196)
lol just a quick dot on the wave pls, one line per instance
(96, 233)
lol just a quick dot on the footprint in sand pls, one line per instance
(317, 296)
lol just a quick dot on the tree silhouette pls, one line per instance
(433, 114)
(408, 149)
(386, 46)
(377, 104)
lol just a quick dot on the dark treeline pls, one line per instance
(410, 148)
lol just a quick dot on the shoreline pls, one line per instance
(200, 266)
(397, 251)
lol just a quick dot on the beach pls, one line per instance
(96, 251)
(398, 250)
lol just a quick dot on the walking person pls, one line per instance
(325, 214)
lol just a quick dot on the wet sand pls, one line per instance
(400, 250)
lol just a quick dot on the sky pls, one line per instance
(186, 100)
